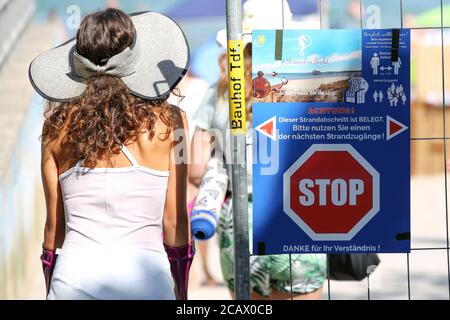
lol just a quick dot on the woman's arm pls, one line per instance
(177, 237)
(54, 230)
(176, 226)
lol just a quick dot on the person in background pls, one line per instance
(194, 88)
(115, 188)
(269, 275)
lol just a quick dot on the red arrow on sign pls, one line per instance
(393, 128)
(269, 128)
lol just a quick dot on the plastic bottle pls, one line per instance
(209, 200)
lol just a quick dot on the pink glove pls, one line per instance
(48, 259)
(190, 205)
(180, 259)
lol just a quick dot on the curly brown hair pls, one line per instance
(106, 114)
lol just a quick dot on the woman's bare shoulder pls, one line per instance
(57, 142)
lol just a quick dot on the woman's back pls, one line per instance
(113, 217)
(120, 200)
(115, 194)
(114, 206)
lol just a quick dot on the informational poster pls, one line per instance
(331, 147)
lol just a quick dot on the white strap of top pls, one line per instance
(125, 151)
(79, 163)
(128, 154)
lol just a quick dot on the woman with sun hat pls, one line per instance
(112, 180)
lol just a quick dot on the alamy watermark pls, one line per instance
(219, 144)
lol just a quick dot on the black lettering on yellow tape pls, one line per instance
(237, 87)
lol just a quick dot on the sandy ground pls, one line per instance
(308, 84)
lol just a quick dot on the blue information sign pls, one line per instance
(331, 147)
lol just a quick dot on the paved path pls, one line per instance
(16, 94)
(16, 91)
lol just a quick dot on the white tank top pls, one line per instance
(114, 206)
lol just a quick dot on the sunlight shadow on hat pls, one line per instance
(171, 73)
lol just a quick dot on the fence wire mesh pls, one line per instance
(429, 140)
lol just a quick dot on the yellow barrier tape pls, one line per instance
(237, 86)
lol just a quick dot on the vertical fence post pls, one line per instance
(238, 152)
(445, 141)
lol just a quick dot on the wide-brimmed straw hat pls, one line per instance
(150, 68)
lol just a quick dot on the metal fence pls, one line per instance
(407, 283)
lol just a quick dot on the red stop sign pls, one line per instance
(331, 192)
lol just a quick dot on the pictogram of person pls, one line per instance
(380, 96)
(397, 64)
(375, 63)
(375, 96)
